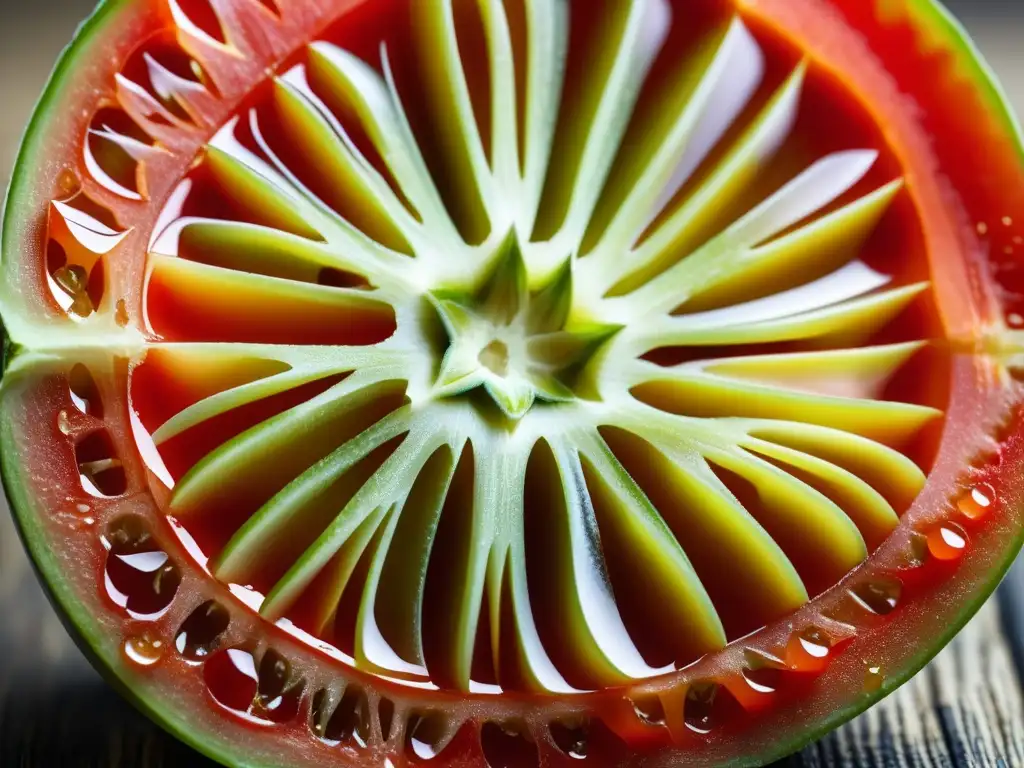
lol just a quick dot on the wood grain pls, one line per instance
(965, 709)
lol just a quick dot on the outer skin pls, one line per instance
(930, 15)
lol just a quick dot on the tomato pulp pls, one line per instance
(188, 345)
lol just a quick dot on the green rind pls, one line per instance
(35, 135)
(78, 622)
(936, 18)
(81, 626)
(933, 17)
(930, 15)
(894, 680)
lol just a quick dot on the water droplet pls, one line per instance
(89, 521)
(880, 596)
(426, 735)
(947, 541)
(570, 738)
(982, 228)
(977, 503)
(874, 677)
(813, 645)
(1007, 221)
(1015, 320)
(64, 423)
(200, 632)
(83, 509)
(649, 709)
(144, 650)
(808, 650)
(67, 182)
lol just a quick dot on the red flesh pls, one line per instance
(940, 146)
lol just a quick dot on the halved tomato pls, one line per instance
(512, 382)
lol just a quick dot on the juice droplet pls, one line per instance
(808, 650)
(978, 502)
(1007, 221)
(144, 650)
(64, 423)
(83, 509)
(68, 182)
(874, 677)
(814, 647)
(1015, 320)
(880, 596)
(982, 228)
(570, 738)
(947, 542)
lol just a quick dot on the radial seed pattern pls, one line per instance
(549, 356)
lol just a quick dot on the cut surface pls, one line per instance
(740, 235)
(598, 376)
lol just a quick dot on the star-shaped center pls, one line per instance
(512, 341)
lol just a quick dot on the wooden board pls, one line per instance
(965, 709)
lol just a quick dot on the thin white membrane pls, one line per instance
(613, 190)
(590, 577)
(851, 281)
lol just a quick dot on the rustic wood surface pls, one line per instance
(965, 709)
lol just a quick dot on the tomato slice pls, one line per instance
(513, 383)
